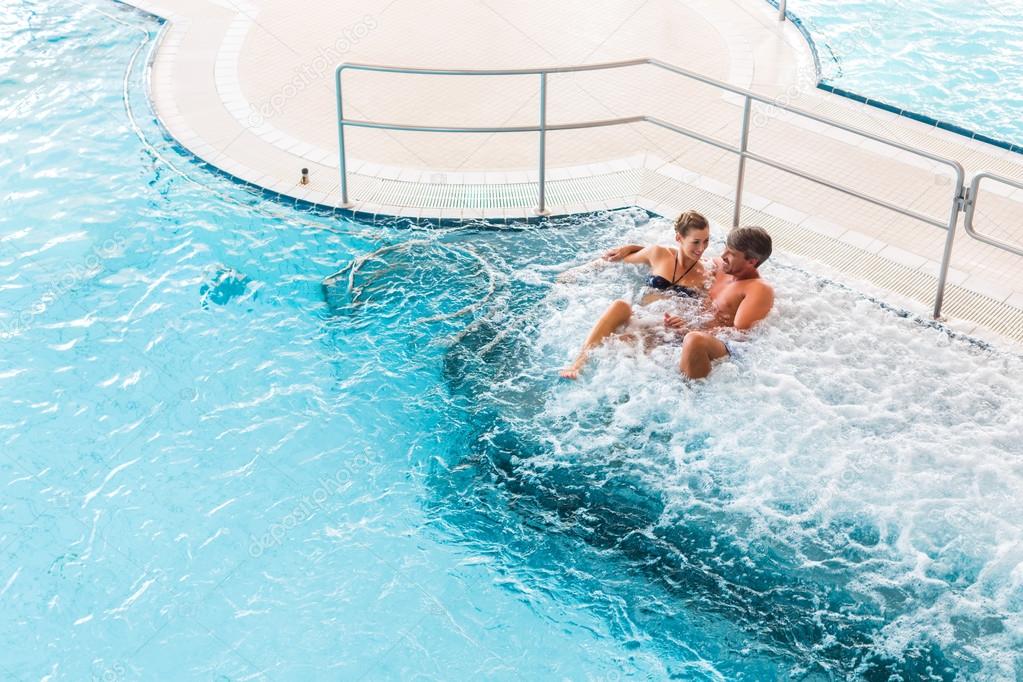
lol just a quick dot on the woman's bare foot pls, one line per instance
(617, 314)
(573, 370)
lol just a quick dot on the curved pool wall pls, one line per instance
(321, 209)
(968, 131)
(171, 142)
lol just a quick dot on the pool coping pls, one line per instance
(234, 102)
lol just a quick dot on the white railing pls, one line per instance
(971, 209)
(957, 200)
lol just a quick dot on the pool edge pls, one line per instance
(885, 106)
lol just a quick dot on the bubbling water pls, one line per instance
(848, 486)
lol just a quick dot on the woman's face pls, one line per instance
(694, 243)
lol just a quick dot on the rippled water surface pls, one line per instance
(954, 61)
(214, 467)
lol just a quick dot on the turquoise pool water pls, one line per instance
(214, 468)
(955, 62)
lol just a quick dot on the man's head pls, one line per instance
(692, 232)
(746, 249)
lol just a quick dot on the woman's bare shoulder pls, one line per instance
(661, 251)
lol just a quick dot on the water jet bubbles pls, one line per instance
(822, 440)
(222, 285)
(431, 285)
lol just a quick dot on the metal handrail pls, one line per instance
(971, 208)
(742, 149)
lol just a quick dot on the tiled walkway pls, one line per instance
(248, 86)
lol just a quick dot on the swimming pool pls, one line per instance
(960, 64)
(214, 468)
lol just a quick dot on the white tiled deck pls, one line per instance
(248, 86)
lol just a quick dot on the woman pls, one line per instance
(673, 273)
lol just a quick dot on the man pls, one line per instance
(739, 299)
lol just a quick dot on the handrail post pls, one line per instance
(781, 10)
(542, 205)
(342, 166)
(743, 146)
(953, 221)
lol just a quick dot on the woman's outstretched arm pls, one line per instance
(631, 253)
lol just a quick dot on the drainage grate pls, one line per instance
(669, 194)
(593, 189)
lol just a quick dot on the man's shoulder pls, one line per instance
(757, 284)
(752, 290)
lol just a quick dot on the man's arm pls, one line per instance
(754, 306)
(631, 253)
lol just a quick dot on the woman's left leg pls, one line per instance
(617, 314)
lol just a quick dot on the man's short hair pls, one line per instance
(752, 242)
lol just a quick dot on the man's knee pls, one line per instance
(695, 360)
(695, 342)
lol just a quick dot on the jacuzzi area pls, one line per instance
(249, 436)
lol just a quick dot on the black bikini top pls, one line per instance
(672, 286)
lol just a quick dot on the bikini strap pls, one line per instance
(688, 270)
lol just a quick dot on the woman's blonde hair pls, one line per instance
(689, 221)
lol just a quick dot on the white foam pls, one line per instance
(840, 410)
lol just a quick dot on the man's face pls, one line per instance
(735, 262)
